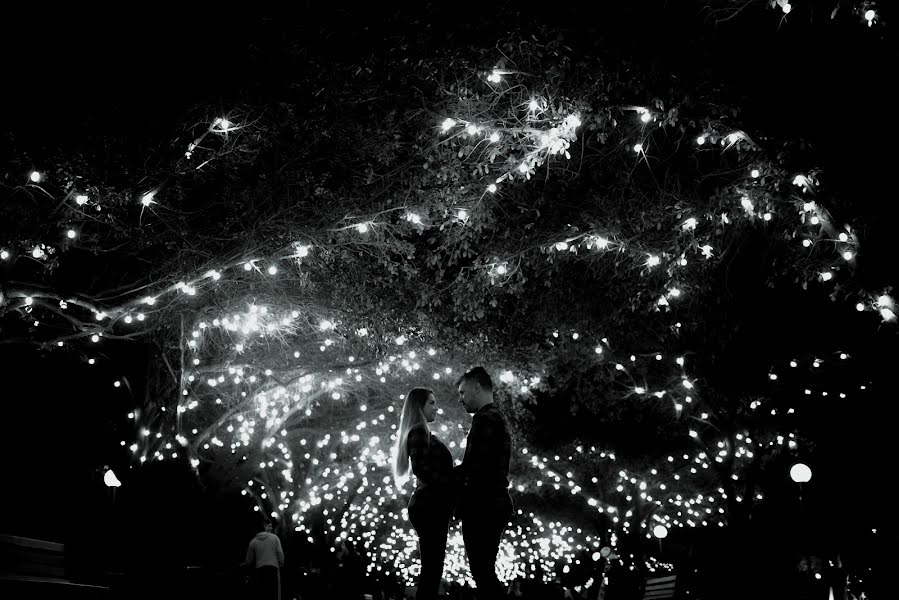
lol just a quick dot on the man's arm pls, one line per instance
(280, 552)
(481, 459)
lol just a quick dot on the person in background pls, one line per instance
(266, 557)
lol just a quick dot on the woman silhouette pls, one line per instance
(431, 505)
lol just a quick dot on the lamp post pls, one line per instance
(661, 532)
(800, 473)
(112, 482)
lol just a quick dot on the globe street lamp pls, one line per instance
(661, 532)
(112, 482)
(800, 473)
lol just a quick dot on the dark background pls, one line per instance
(77, 76)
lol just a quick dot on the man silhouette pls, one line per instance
(484, 505)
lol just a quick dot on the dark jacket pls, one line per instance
(483, 476)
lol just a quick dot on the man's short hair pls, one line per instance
(478, 375)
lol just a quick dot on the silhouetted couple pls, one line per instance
(476, 491)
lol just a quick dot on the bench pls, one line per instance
(32, 568)
(659, 588)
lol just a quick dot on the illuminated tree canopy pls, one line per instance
(583, 227)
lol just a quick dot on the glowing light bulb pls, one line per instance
(787, 8)
(37, 252)
(870, 15)
(272, 270)
(110, 479)
(814, 220)
(533, 105)
(690, 223)
(491, 188)
(646, 117)
(501, 269)
(847, 255)
(81, 199)
(362, 228)
(755, 173)
(806, 243)
(638, 148)
(462, 214)
(71, 234)
(767, 216)
(472, 129)
(494, 137)
(860, 307)
(447, 124)
(700, 140)
(4, 254)
(523, 167)
(800, 473)
(35, 177)
(844, 237)
(826, 276)
(746, 203)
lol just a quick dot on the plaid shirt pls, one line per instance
(432, 462)
(484, 472)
